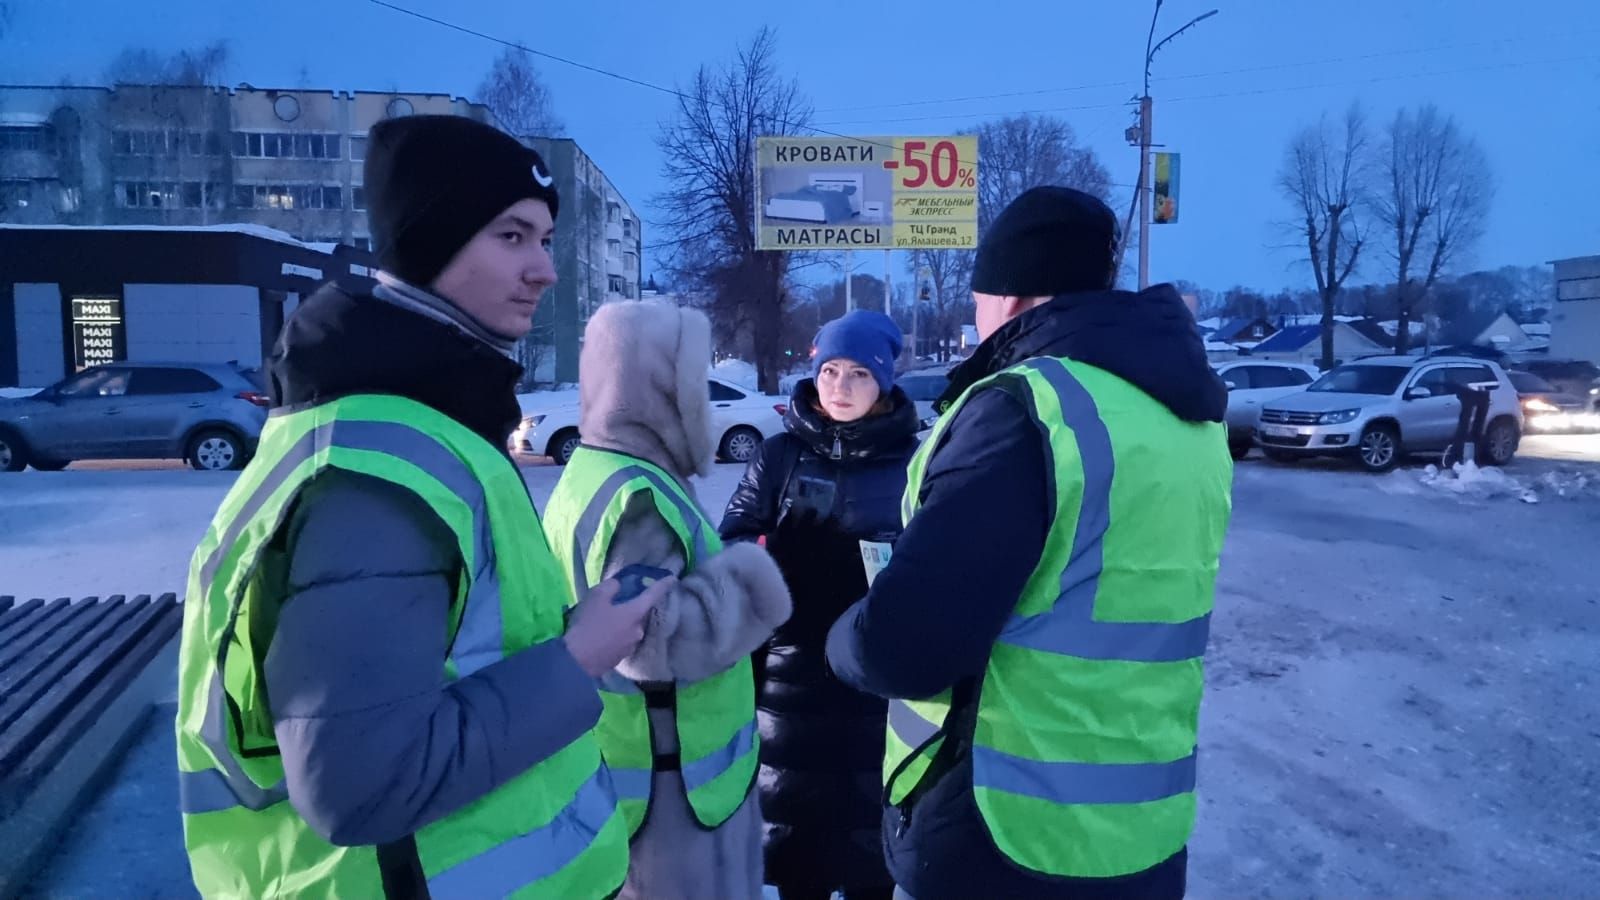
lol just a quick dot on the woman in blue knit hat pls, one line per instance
(816, 492)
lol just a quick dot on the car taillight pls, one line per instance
(256, 397)
(782, 409)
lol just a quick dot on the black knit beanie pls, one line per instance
(1049, 241)
(433, 182)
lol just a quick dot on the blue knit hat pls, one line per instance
(871, 339)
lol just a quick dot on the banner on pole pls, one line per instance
(1166, 190)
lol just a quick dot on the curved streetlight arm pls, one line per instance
(1150, 52)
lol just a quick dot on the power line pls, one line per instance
(1409, 51)
(1226, 94)
(976, 164)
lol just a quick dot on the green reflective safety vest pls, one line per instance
(716, 716)
(1084, 739)
(553, 831)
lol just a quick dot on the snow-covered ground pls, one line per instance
(1400, 698)
(12, 393)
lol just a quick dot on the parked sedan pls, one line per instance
(1252, 383)
(1548, 410)
(740, 418)
(1572, 376)
(208, 414)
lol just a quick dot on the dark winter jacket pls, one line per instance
(822, 741)
(375, 743)
(933, 616)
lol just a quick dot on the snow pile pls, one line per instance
(1483, 482)
(1569, 484)
(736, 371)
(16, 393)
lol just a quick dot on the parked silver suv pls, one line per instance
(210, 415)
(1380, 409)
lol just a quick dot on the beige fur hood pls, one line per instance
(642, 385)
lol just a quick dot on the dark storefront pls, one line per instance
(74, 297)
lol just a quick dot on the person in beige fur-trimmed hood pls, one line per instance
(679, 731)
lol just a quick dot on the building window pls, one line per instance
(613, 212)
(177, 142)
(627, 228)
(630, 261)
(616, 284)
(292, 145)
(288, 196)
(614, 249)
(15, 194)
(627, 290)
(358, 148)
(32, 139)
(149, 195)
(358, 198)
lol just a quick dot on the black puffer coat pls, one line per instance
(822, 742)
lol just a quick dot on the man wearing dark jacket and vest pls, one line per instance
(1040, 628)
(380, 691)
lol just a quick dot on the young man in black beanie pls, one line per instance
(1044, 666)
(410, 666)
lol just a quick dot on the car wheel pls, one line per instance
(13, 456)
(215, 451)
(1500, 442)
(563, 445)
(1279, 456)
(1239, 451)
(740, 444)
(50, 465)
(1380, 448)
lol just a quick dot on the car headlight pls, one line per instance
(532, 421)
(1594, 391)
(1338, 417)
(1539, 404)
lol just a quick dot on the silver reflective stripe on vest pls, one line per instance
(1069, 783)
(508, 867)
(909, 725)
(1069, 627)
(589, 522)
(479, 640)
(212, 790)
(701, 772)
(632, 784)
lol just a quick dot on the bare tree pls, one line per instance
(202, 67)
(949, 305)
(1324, 178)
(1434, 198)
(709, 152)
(518, 96)
(1021, 152)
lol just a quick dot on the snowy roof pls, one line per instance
(1290, 339)
(1537, 329)
(1221, 347)
(260, 231)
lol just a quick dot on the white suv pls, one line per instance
(1380, 409)
(1252, 383)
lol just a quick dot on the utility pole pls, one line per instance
(1142, 135)
(1145, 188)
(849, 279)
(888, 295)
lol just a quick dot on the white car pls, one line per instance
(740, 420)
(1252, 383)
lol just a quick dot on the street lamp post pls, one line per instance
(1142, 134)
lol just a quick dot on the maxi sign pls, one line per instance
(888, 193)
(97, 332)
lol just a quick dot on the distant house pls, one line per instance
(1490, 329)
(1373, 330)
(1243, 330)
(1303, 344)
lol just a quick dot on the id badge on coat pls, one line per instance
(875, 557)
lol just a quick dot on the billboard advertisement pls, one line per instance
(1166, 192)
(870, 193)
